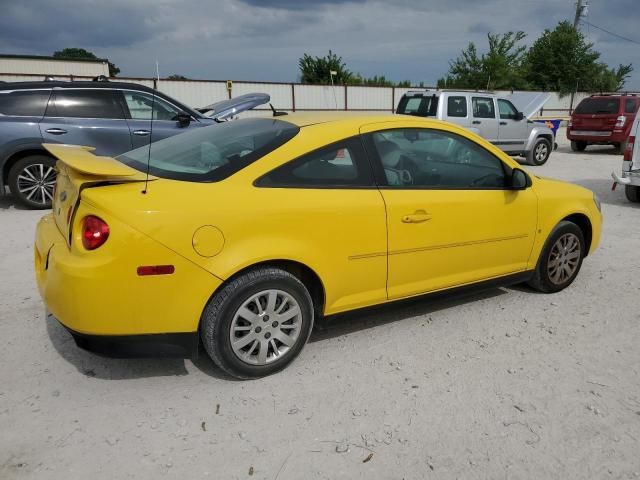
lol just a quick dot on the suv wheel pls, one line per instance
(540, 152)
(31, 181)
(578, 146)
(560, 260)
(258, 323)
(632, 192)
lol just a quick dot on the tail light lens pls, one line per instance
(620, 121)
(95, 232)
(628, 150)
(570, 124)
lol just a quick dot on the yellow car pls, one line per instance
(241, 234)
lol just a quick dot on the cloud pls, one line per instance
(263, 39)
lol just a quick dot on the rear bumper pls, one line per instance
(627, 178)
(604, 136)
(99, 293)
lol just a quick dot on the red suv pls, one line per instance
(602, 120)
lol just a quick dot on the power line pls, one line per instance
(611, 33)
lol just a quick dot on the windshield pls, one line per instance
(598, 105)
(418, 106)
(213, 153)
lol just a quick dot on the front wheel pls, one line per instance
(258, 323)
(560, 260)
(632, 192)
(540, 152)
(31, 181)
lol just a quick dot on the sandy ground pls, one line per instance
(506, 383)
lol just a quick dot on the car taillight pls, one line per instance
(620, 121)
(570, 124)
(628, 150)
(94, 232)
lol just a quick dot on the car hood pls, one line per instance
(228, 108)
(529, 103)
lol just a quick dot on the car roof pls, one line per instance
(427, 91)
(59, 84)
(305, 119)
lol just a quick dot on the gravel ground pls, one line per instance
(506, 383)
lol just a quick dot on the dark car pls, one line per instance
(112, 117)
(602, 120)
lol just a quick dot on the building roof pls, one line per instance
(44, 57)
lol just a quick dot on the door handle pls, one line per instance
(417, 217)
(503, 123)
(476, 122)
(56, 131)
(141, 133)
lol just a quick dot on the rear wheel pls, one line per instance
(632, 192)
(31, 181)
(578, 146)
(621, 147)
(258, 323)
(560, 260)
(540, 152)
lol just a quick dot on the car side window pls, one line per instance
(457, 107)
(140, 105)
(342, 164)
(436, 159)
(84, 103)
(630, 106)
(24, 103)
(483, 107)
(507, 110)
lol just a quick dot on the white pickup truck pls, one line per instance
(630, 176)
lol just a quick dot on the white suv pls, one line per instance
(631, 164)
(490, 116)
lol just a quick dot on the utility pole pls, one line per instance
(580, 12)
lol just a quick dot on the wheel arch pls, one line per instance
(14, 157)
(302, 272)
(583, 222)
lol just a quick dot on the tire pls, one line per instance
(31, 181)
(236, 306)
(578, 145)
(632, 192)
(621, 147)
(540, 152)
(545, 278)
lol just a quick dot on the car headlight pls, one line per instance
(596, 200)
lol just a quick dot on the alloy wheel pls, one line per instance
(265, 327)
(36, 182)
(541, 152)
(564, 258)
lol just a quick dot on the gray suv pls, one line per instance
(112, 117)
(492, 117)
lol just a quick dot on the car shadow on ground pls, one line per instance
(7, 202)
(591, 150)
(107, 368)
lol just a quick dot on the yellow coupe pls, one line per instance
(239, 235)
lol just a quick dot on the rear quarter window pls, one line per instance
(24, 103)
(419, 106)
(630, 105)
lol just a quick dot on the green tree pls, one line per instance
(318, 70)
(176, 77)
(561, 60)
(81, 53)
(500, 68)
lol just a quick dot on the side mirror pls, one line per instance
(519, 180)
(519, 116)
(183, 119)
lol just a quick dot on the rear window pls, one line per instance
(592, 106)
(213, 153)
(24, 103)
(420, 106)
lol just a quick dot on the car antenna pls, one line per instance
(276, 113)
(146, 180)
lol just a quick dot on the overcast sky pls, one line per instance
(263, 39)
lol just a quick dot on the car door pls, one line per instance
(138, 107)
(484, 118)
(450, 219)
(513, 132)
(340, 220)
(91, 117)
